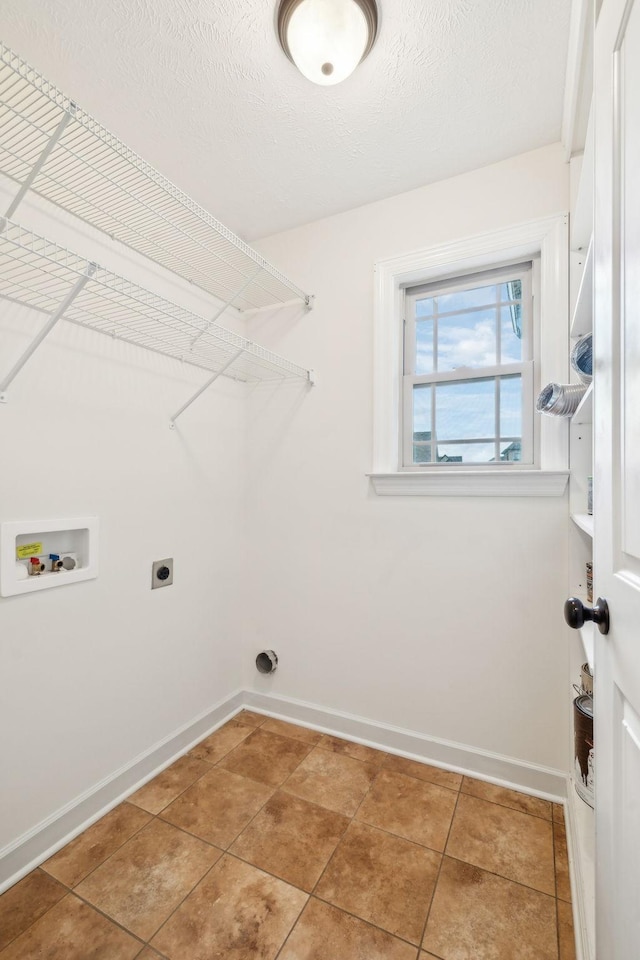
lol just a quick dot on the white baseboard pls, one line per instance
(518, 774)
(36, 846)
(579, 820)
(40, 843)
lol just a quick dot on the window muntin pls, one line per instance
(468, 370)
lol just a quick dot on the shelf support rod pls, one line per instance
(205, 386)
(38, 165)
(48, 327)
(224, 307)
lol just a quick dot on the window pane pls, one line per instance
(422, 412)
(511, 406)
(468, 340)
(511, 333)
(421, 424)
(511, 451)
(422, 453)
(424, 346)
(465, 299)
(512, 290)
(466, 452)
(424, 308)
(465, 410)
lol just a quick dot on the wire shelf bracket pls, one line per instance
(205, 386)
(46, 330)
(38, 165)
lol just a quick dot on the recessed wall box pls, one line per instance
(73, 542)
(162, 573)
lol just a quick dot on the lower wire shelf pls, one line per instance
(38, 273)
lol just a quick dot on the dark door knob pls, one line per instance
(576, 614)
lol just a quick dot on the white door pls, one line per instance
(617, 477)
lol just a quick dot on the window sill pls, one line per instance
(471, 483)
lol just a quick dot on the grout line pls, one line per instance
(107, 916)
(369, 923)
(185, 756)
(192, 836)
(501, 876)
(351, 820)
(113, 852)
(179, 905)
(506, 806)
(293, 926)
(33, 922)
(437, 880)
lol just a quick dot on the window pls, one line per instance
(468, 369)
(466, 334)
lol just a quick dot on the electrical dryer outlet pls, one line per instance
(162, 573)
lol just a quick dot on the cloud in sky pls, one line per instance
(467, 340)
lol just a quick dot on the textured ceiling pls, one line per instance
(202, 90)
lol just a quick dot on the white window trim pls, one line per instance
(547, 238)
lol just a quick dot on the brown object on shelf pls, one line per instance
(589, 582)
(583, 744)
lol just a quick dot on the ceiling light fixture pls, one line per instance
(327, 39)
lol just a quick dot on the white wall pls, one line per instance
(439, 616)
(442, 616)
(97, 673)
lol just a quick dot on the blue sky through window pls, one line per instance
(468, 330)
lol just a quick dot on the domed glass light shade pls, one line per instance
(327, 39)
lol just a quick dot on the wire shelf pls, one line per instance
(95, 176)
(37, 272)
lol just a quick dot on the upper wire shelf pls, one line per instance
(86, 170)
(39, 273)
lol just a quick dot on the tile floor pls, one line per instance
(271, 841)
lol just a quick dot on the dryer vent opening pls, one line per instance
(267, 661)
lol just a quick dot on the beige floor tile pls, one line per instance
(250, 718)
(236, 913)
(218, 806)
(558, 813)
(169, 784)
(563, 883)
(332, 780)
(292, 839)
(424, 771)
(26, 902)
(348, 748)
(383, 879)
(291, 730)
(478, 916)
(326, 933)
(410, 808)
(427, 956)
(148, 954)
(82, 855)
(266, 757)
(566, 936)
(71, 930)
(221, 742)
(141, 884)
(512, 844)
(507, 798)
